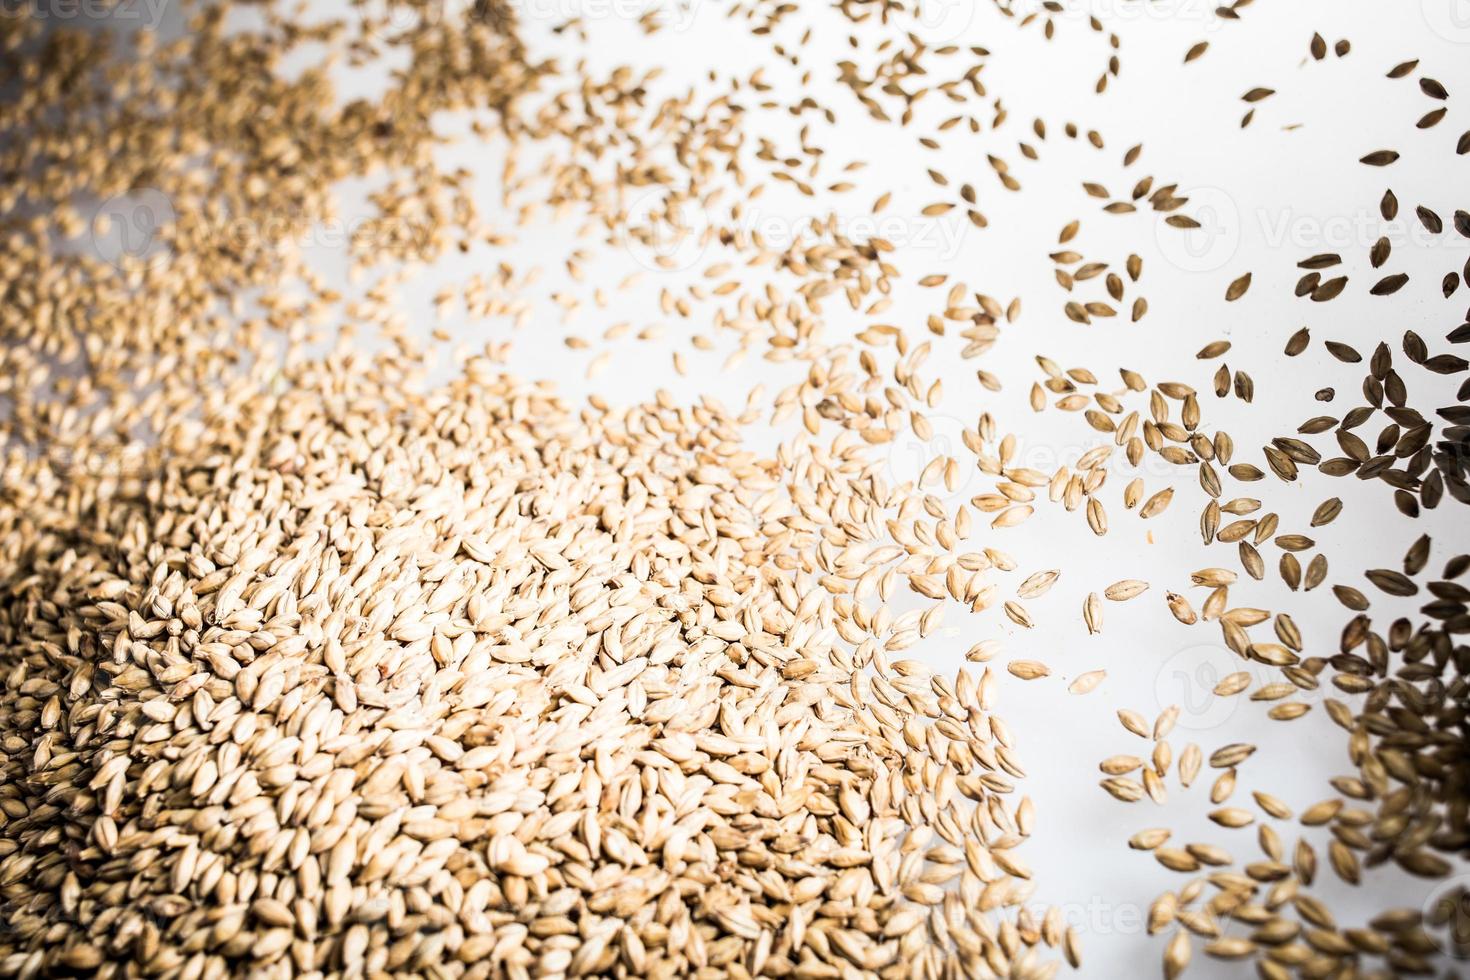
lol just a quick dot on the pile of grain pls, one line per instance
(464, 681)
(327, 671)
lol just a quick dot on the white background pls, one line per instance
(1268, 196)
